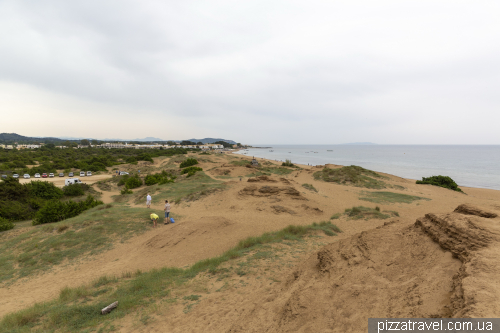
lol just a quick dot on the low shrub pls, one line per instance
(191, 170)
(73, 190)
(145, 157)
(56, 210)
(188, 162)
(122, 179)
(126, 191)
(310, 187)
(44, 190)
(288, 163)
(361, 212)
(16, 210)
(442, 181)
(6, 224)
(351, 175)
(161, 178)
(133, 182)
(131, 159)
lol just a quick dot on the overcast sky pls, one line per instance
(389, 72)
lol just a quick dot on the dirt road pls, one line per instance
(59, 181)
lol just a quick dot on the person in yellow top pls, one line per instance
(154, 219)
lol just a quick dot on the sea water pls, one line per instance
(467, 165)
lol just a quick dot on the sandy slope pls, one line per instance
(217, 222)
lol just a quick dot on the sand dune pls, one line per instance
(431, 261)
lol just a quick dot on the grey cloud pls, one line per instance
(284, 67)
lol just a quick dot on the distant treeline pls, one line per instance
(51, 159)
(11, 138)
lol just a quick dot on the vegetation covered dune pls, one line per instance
(269, 248)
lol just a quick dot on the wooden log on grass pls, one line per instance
(109, 308)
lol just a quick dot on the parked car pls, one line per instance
(61, 174)
(26, 176)
(89, 173)
(70, 174)
(15, 175)
(37, 175)
(51, 175)
(44, 175)
(4, 176)
(123, 173)
(82, 173)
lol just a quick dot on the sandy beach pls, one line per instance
(427, 260)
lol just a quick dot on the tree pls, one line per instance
(199, 143)
(85, 142)
(95, 142)
(188, 143)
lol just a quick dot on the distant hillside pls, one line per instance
(8, 138)
(210, 140)
(13, 137)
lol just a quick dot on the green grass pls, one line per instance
(267, 171)
(188, 189)
(310, 187)
(278, 170)
(45, 246)
(257, 173)
(240, 162)
(351, 175)
(361, 212)
(389, 197)
(78, 309)
(335, 216)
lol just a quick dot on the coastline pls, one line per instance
(468, 166)
(320, 166)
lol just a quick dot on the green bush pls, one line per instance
(161, 178)
(123, 180)
(189, 162)
(133, 182)
(56, 210)
(288, 163)
(145, 157)
(73, 190)
(310, 187)
(442, 181)
(131, 159)
(191, 170)
(5, 224)
(96, 166)
(16, 210)
(126, 191)
(44, 190)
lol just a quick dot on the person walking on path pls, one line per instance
(148, 200)
(167, 212)
(154, 219)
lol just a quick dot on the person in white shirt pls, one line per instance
(148, 201)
